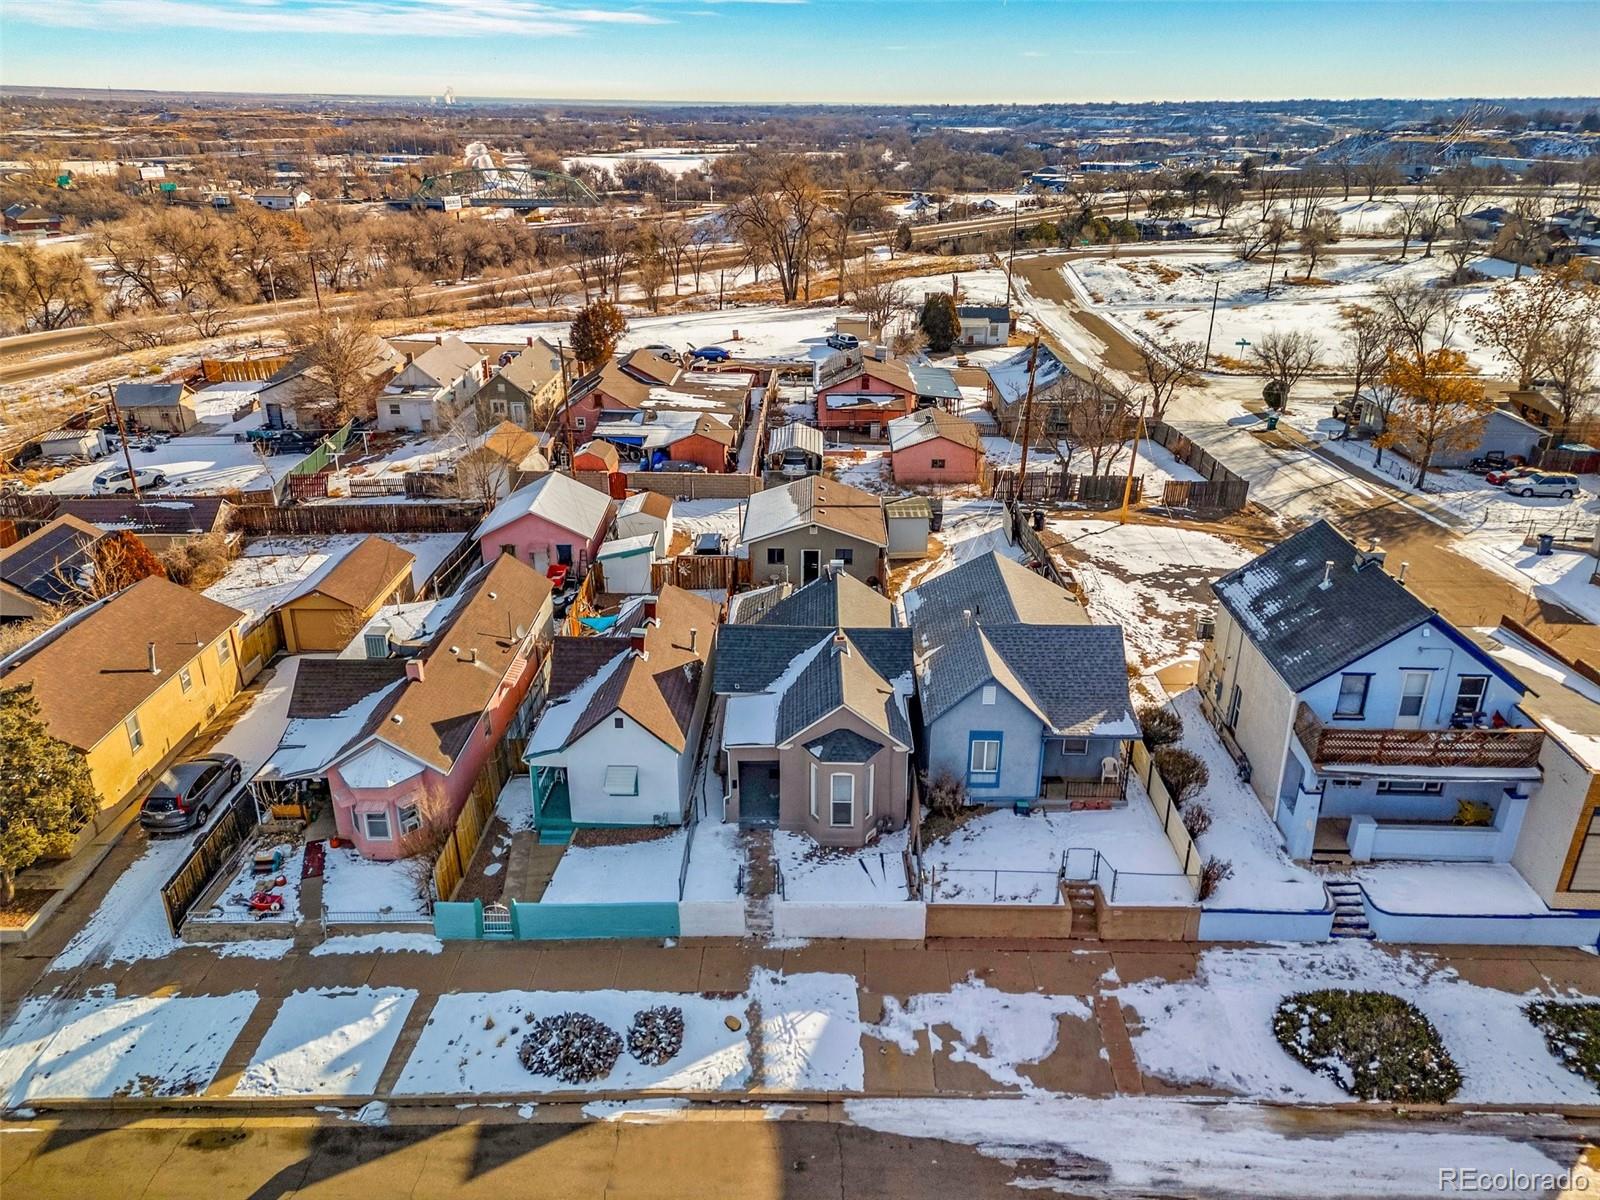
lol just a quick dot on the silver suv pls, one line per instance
(187, 792)
(1546, 483)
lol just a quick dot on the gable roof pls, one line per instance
(1009, 378)
(141, 395)
(650, 504)
(326, 687)
(555, 498)
(35, 565)
(604, 451)
(447, 361)
(361, 576)
(835, 598)
(648, 365)
(94, 668)
(826, 503)
(1307, 631)
(984, 312)
(751, 657)
(996, 590)
(514, 445)
(184, 514)
(796, 435)
(934, 383)
(843, 369)
(932, 424)
(533, 368)
(838, 675)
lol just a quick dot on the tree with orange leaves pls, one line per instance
(1440, 405)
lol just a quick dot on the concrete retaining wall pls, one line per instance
(903, 921)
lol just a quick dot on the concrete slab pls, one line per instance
(725, 968)
(429, 974)
(1078, 1065)
(847, 958)
(486, 968)
(891, 1071)
(905, 972)
(1135, 966)
(573, 970)
(657, 968)
(1070, 972)
(1008, 970)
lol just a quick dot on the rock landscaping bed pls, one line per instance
(572, 1047)
(1572, 1032)
(1374, 1045)
(588, 838)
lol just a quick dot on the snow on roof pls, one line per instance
(627, 547)
(402, 622)
(554, 498)
(560, 715)
(309, 744)
(752, 719)
(378, 765)
(1010, 378)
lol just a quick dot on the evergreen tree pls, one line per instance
(939, 321)
(46, 792)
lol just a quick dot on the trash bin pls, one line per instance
(1272, 420)
(1038, 520)
(1547, 544)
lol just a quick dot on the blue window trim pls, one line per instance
(986, 735)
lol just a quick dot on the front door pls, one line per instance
(758, 794)
(1413, 699)
(810, 565)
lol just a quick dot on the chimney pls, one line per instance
(530, 341)
(636, 639)
(414, 670)
(649, 608)
(438, 339)
(966, 616)
(155, 667)
(1327, 575)
(840, 642)
(410, 358)
(1372, 554)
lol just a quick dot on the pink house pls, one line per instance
(555, 519)
(933, 446)
(420, 736)
(862, 396)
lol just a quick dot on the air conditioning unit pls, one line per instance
(662, 820)
(1206, 628)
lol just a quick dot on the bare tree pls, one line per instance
(1167, 364)
(1363, 353)
(702, 242)
(856, 198)
(345, 365)
(1461, 251)
(1315, 239)
(1406, 224)
(1520, 317)
(1099, 417)
(1285, 358)
(1572, 364)
(1521, 238)
(878, 297)
(780, 216)
(47, 290)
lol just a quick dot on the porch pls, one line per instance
(552, 806)
(1473, 746)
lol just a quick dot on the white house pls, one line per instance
(1370, 727)
(283, 199)
(616, 744)
(646, 513)
(431, 388)
(983, 324)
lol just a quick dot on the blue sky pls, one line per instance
(892, 51)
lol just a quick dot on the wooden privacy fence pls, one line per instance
(700, 572)
(1188, 854)
(467, 832)
(242, 370)
(214, 850)
(1045, 487)
(259, 520)
(1021, 531)
(1223, 489)
(681, 485)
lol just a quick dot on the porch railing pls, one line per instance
(1330, 746)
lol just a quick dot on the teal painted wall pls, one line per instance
(572, 922)
(458, 919)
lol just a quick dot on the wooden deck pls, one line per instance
(1328, 746)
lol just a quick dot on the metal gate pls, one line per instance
(496, 921)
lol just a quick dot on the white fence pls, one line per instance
(903, 921)
(711, 918)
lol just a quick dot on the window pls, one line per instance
(224, 652)
(1352, 695)
(135, 734)
(617, 722)
(622, 781)
(376, 825)
(774, 556)
(1410, 787)
(185, 680)
(1469, 695)
(1074, 745)
(989, 693)
(1235, 699)
(845, 556)
(842, 800)
(394, 410)
(983, 761)
(410, 818)
(938, 464)
(583, 422)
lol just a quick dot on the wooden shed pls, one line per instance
(331, 606)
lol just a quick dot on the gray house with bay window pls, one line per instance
(1022, 698)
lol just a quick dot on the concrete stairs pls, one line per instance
(760, 881)
(1084, 900)
(1349, 914)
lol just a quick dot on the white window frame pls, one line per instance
(1078, 746)
(224, 652)
(409, 818)
(1410, 787)
(380, 814)
(1360, 710)
(834, 801)
(130, 725)
(1483, 694)
(185, 680)
(991, 761)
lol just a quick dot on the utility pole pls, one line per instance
(1217, 291)
(566, 400)
(1011, 258)
(122, 432)
(1027, 417)
(1133, 458)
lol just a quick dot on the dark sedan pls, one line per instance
(187, 792)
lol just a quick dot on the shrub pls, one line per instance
(1160, 725)
(572, 1047)
(1183, 773)
(656, 1035)
(947, 795)
(1196, 819)
(1572, 1032)
(1213, 873)
(1373, 1045)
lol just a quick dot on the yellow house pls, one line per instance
(130, 680)
(331, 607)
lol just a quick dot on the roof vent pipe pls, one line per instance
(1404, 567)
(1327, 575)
(155, 667)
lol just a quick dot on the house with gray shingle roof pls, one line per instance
(1369, 726)
(815, 719)
(1022, 699)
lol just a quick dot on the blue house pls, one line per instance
(1023, 699)
(1369, 726)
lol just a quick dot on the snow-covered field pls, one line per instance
(1216, 1029)
(352, 884)
(647, 871)
(191, 465)
(672, 160)
(328, 1042)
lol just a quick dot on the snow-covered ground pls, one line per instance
(327, 1042)
(1001, 858)
(101, 1046)
(1564, 576)
(272, 571)
(1152, 579)
(352, 884)
(1216, 1029)
(233, 902)
(871, 875)
(191, 465)
(216, 403)
(673, 160)
(971, 529)
(1466, 889)
(763, 331)
(1145, 1146)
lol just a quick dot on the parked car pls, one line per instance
(1546, 483)
(1495, 460)
(715, 354)
(186, 793)
(662, 350)
(118, 479)
(1503, 477)
(843, 341)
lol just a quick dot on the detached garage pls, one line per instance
(332, 606)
